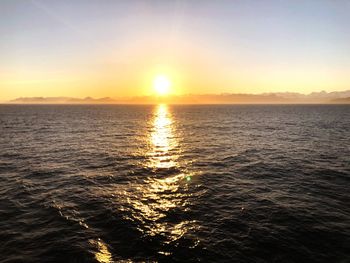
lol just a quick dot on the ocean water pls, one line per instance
(174, 183)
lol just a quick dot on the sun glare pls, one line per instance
(161, 85)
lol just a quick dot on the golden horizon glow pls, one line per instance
(161, 50)
(161, 85)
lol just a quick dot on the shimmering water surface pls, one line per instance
(174, 183)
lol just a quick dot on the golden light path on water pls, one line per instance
(102, 255)
(162, 193)
(162, 139)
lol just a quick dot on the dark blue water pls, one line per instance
(174, 183)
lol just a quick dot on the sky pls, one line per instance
(106, 48)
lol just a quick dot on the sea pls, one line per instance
(174, 183)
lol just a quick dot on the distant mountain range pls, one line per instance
(64, 100)
(341, 97)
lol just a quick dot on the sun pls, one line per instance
(161, 85)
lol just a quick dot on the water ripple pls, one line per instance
(174, 183)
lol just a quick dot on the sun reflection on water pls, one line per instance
(164, 193)
(160, 198)
(102, 255)
(162, 139)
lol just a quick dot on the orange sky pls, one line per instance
(111, 49)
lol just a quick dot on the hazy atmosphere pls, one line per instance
(116, 48)
(174, 131)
